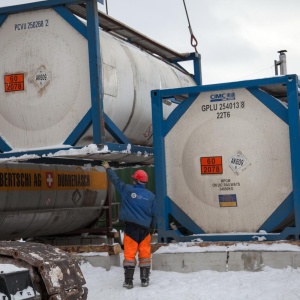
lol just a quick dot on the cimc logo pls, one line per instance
(222, 97)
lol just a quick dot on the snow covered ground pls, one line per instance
(269, 284)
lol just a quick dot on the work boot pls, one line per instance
(144, 275)
(128, 272)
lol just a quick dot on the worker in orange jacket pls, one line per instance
(138, 211)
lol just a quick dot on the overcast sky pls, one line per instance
(237, 39)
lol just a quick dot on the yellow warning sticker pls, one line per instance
(51, 180)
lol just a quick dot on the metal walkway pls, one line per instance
(121, 30)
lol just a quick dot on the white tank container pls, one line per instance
(46, 88)
(232, 168)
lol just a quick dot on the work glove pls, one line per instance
(105, 165)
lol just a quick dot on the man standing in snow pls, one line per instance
(138, 210)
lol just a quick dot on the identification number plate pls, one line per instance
(211, 165)
(14, 82)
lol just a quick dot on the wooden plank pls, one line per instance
(111, 249)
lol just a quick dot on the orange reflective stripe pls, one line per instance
(144, 262)
(129, 263)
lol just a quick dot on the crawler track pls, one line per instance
(56, 276)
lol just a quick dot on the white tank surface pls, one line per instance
(46, 89)
(231, 168)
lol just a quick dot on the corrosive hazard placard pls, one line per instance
(211, 165)
(14, 82)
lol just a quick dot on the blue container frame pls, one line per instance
(96, 115)
(161, 127)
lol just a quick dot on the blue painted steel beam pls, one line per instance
(293, 112)
(4, 146)
(37, 5)
(179, 215)
(170, 235)
(80, 129)
(2, 19)
(91, 33)
(72, 20)
(194, 90)
(284, 210)
(275, 106)
(95, 72)
(175, 235)
(159, 163)
(177, 113)
(197, 69)
(116, 133)
(129, 147)
(196, 58)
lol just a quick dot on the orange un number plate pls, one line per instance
(14, 82)
(211, 165)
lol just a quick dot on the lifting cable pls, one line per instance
(106, 6)
(194, 41)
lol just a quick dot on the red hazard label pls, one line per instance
(211, 165)
(14, 82)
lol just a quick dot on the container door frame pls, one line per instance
(161, 127)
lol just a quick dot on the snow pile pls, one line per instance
(90, 149)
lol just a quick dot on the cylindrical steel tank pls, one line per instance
(232, 167)
(39, 200)
(46, 89)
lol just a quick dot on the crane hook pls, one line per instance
(194, 42)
